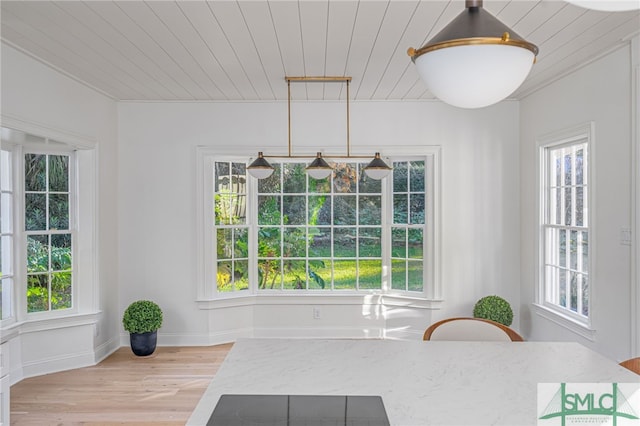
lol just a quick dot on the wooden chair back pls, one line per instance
(632, 364)
(471, 329)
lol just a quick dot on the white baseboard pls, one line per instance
(200, 339)
(106, 349)
(57, 364)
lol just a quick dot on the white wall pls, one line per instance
(599, 92)
(157, 197)
(36, 97)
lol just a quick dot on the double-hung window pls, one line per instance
(48, 265)
(48, 230)
(291, 233)
(565, 233)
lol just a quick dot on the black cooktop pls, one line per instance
(299, 410)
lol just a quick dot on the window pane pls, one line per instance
(399, 242)
(221, 209)
(295, 178)
(344, 242)
(269, 242)
(6, 215)
(6, 254)
(580, 167)
(58, 211)
(319, 242)
(294, 208)
(344, 274)
(567, 169)
(416, 177)
(585, 294)
(574, 249)
(370, 242)
(222, 181)
(415, 243)
(269, 274)
(224, 243)
(37, 293)
(59, 173)
(37, 253)
(344, 178)
(61, 252)
(366, 185)
(574, 291)
(579, 206)
(241, 246)
(370, 210)
(400, 177)
(557, 212)
(400, 208)
(562, 247)
(271, 185)
(417, 208)
(319, 210)
(223, 276)
(322, 186)
(269, 210)
(416, 281)
(585, 250)
(241, 274)
(294, 243)
(61, 290)
(567, 207)
(562, 284)
(35, 212)
(344, 210)
(320, 274)
(295, 277)
(399, 274)
(35, 172)
(370, 274)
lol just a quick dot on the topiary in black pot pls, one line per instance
(142, 319)
(494, 308)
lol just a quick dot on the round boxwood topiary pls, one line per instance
(494, 308)
(142, 316)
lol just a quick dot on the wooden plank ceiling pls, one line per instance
(242, 50)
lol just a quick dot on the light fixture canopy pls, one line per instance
(608, 5)
(319, 169)
(260, 168)
(377, 168)
(475, 61)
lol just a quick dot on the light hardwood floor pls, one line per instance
(162, 389)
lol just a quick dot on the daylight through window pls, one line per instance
(345, 233)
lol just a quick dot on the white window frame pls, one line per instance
(46, 149)
(9, 252)
(206, 288)
(45, 139)
(565, 317)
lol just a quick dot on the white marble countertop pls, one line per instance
(421, 383)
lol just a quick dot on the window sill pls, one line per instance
(321, 299)
(565, 321)
(43, 324)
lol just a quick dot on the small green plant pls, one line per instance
(494, 308)
(142, 316)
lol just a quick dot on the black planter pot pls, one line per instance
(143, 344)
